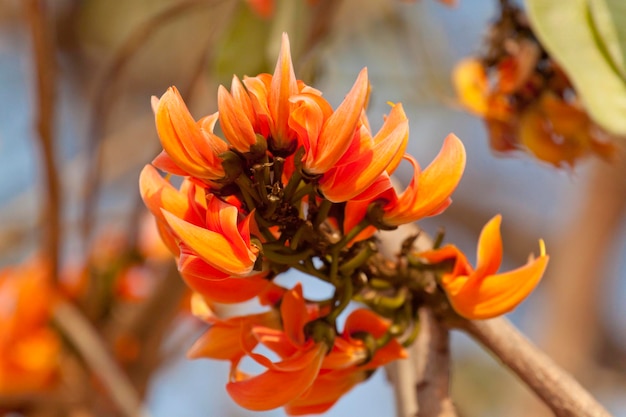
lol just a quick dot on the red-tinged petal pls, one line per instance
(349, 181)
(258, 88)
(295, 315)
(224, 340)
(284, 85)
(308, 116)
(327, 389)
(489, 252)
(338, 131)
(494, 295)
(430, 189)
(275, 388)
(212, 247)
(363, 320)
(236, 126)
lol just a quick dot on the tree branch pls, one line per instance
(433, 367)
(556, 388)
(87, 342)
(45, 66)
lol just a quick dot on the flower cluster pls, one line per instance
(296, 184)
(525, 98)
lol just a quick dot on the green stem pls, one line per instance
(344, 300)
(247, 191)
(292, 185)
(357, 260)
(322, 213)
(290, 259)
(347, 238)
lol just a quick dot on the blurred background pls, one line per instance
(104, 60)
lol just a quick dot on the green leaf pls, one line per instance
(593, 58)
(241, 50)
(608, 18)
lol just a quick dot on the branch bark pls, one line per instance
(433, 367)
(45, 67)
(87, 342)
(556, 388)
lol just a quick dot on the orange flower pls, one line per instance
(29, 349)
(215, 255)
(428, 194)
(237, 116)
(301, 359)
(430, 190)
(481, 293)
(367, 158)
(348, 363)
(190, 147)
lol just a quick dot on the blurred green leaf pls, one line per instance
(587, 38)
(241, 50)
(609, 20)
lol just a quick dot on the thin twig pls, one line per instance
(91, 348)
(556, 388)
(45, 64)
(433, 367)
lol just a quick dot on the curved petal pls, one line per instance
(338, 130)
(235, 124)
(430, 190)
(212, 247)
(489, 252)
(494, 295)
(275, 388)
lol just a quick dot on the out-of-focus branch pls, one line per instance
(45, 66)
(149, 325)
(556, 388)
(106, 92)
(87, 342)
(433, 367)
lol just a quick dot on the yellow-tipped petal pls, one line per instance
(489, 252)
(498, 294)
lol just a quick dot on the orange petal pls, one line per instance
(212, 247)
(235, 124)
(489, 253)
(284, 85)
(429, 192)
(327, 389)
(295, 315)
(190, 147)
(275, 388)
(494, 295)
(338, 130)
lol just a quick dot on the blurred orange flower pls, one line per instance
(29, 348)
(481, 293)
